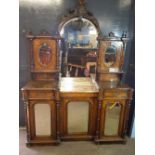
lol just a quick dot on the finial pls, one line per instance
(29, 33)
(82, 2)
(44, 32)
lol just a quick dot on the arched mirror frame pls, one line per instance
(79, 11)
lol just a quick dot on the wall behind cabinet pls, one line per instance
(35, 15)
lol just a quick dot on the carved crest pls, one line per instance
(81, 12)
(82, 2)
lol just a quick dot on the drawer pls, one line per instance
(41, 95)
(115, 94)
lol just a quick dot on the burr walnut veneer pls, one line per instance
(84, 108)
(76, 110)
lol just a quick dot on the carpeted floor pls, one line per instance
(76, 148)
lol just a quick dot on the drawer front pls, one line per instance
(115, 94)
(41, 95)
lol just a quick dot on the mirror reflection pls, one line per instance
(112, 119)
(80, 38)
(79, 33)
(110, 55)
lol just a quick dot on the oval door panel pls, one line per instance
(45, 54)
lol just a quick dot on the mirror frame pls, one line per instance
(110, 63)
(79, 11)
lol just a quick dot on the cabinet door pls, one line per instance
(42, 120)
(112, 116)
(78, 119)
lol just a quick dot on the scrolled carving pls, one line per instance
(82, 2)
(80, 11)
(43, 32)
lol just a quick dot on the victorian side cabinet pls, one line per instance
(41, 94)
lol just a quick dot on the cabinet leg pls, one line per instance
(28, 145)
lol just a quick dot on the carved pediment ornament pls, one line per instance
(81, 12)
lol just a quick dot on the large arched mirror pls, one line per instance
(79, 33)
(79, 30)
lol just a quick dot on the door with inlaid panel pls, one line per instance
(112, 120)
(78, 119)
(42, 121)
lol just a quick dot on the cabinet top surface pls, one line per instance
(86, 85)
(75, 85)
(41, 85)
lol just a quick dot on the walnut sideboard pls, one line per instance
(75, 109)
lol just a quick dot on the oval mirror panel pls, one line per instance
(44, 54)
(110, 55)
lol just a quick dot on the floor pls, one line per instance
(76, 148)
